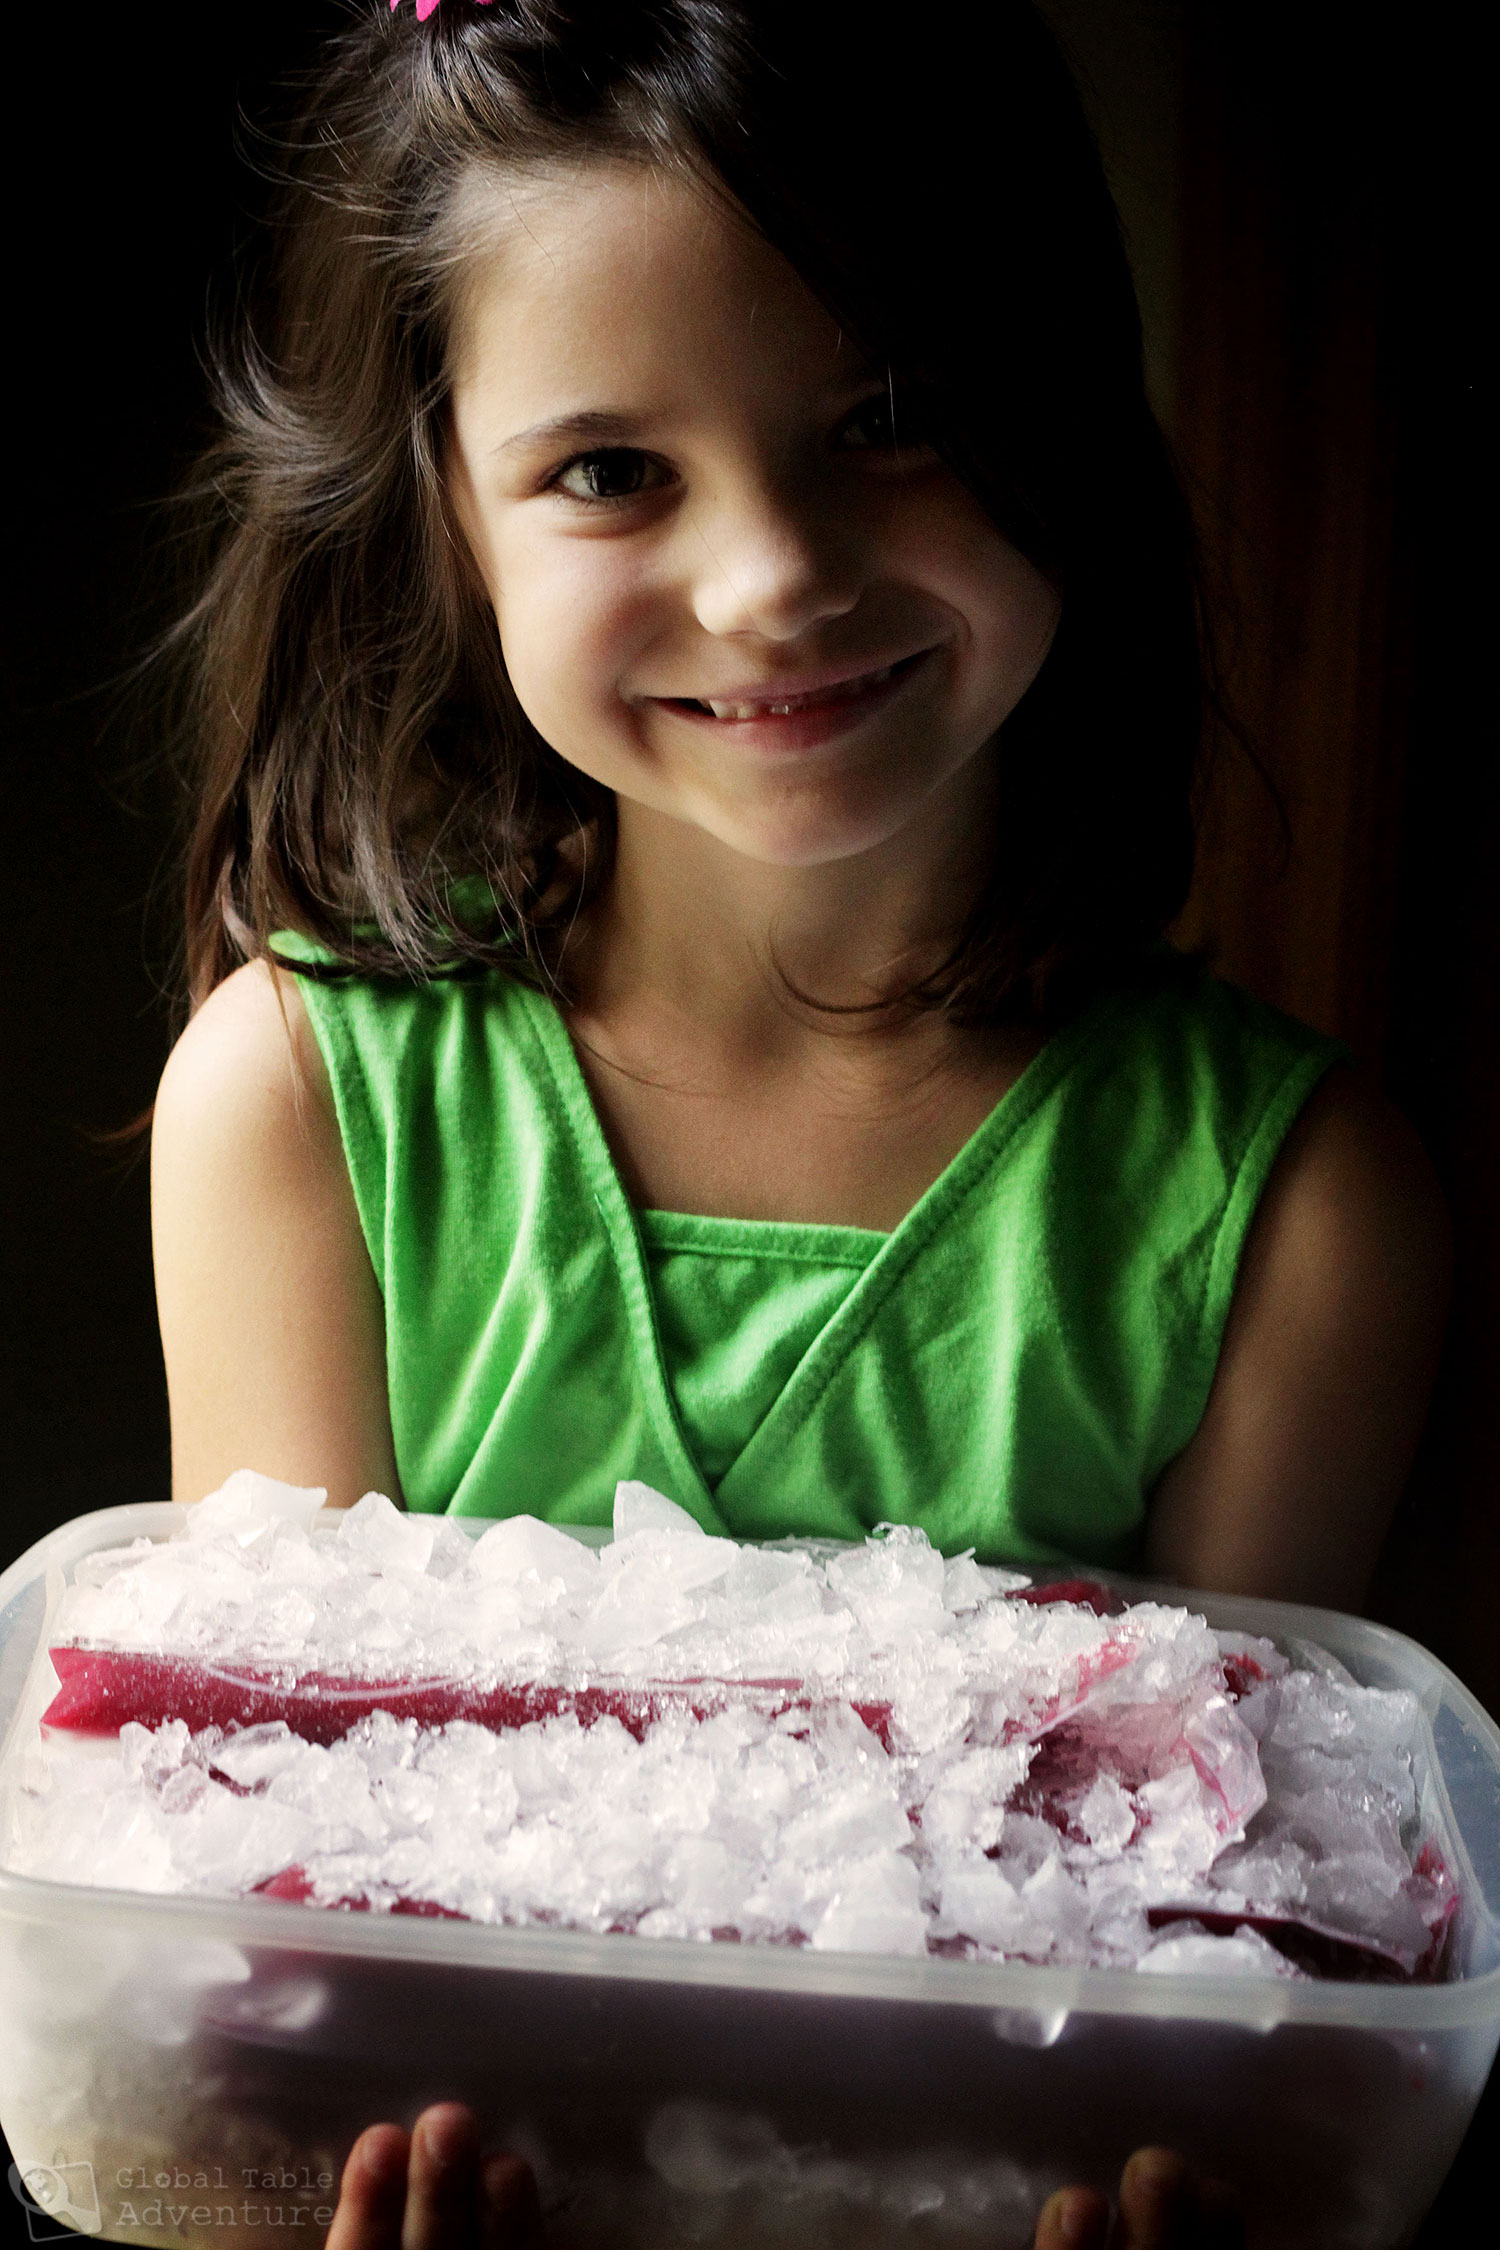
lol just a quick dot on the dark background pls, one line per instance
(1297, 184)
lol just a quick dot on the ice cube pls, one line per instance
(962, 1799)
(894, 1586)
(386, 1535)
(876, 1909)
(1181, 1836)
(963, 1585)
(850, 1817)
(978, 1901)
(247, 1503)
(1194, 1953)
(639, 1508)
(1107, 1815)
(520, 1547)
(707, 1882)
(1225, 1755)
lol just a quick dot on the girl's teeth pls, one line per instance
(841, 694)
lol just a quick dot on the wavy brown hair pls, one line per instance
(362, 770)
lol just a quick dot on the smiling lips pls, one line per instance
(862, 688)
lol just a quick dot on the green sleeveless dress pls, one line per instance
(1012, 1368)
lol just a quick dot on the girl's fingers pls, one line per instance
(372, 2193)
(430, 2191)
(1154, 2206)
(510, 2208)
(442, 2181)
(1073, 2219)
(1162, 2207)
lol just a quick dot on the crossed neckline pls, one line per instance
(785, 1241)
(894, 1254)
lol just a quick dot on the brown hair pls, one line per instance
(363, 771)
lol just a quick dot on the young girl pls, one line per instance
(699, 696)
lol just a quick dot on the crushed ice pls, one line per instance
(918, 1758)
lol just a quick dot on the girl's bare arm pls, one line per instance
(271, 1318)
(1327, 1364)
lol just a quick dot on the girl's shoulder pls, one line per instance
(1171, 1008)
(295, 1068)
(1172, 1071)
(246, 1059)
(244, 1120)
(1194, 1105)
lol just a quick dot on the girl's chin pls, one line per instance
(815, 819)
(806, 838)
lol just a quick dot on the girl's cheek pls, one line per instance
(570, 634)
(1009, 608)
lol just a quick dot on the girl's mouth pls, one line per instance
(823, 709)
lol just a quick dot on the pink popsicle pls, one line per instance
(102, 1690)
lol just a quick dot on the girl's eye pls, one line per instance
(615, 472)
(881, 423)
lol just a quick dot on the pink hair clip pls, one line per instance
(426, 8)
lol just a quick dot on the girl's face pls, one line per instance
(725, 588)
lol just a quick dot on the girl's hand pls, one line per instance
(1162, 2207)
(432, 2190)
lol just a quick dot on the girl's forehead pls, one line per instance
(630, 266)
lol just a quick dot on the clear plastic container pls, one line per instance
(192, 2072)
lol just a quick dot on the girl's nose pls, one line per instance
(768, 569)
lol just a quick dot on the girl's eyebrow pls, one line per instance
(598, 423)
(611, 426)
